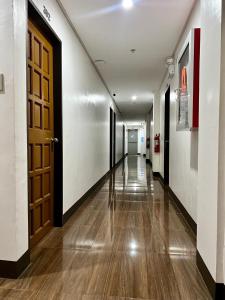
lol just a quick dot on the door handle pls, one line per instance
(54, 140)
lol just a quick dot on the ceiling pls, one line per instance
(109, 32)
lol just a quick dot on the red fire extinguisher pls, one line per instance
(157, 143)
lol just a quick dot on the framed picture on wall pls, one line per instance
(188, 83)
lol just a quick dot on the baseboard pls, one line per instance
(13, 269)
(217, 290)
(158, 176)
(138, 153)
(75, 206)
(187, 216)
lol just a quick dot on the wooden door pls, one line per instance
(40, 133)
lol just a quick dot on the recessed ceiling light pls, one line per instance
(134, 97)
(127, 4)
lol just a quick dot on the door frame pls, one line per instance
(36, 17)
(114, 139)
(128, 141)
(167, 137)
(123, 140)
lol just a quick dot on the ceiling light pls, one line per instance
(134, 97)
(127, 4)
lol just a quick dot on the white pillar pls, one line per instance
(156, 130)
(208, 159)
(13, 142)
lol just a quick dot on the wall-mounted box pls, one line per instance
(188, 90)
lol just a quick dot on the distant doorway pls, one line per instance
(123, 140)
(114, 139)
(167, 137)
(132, 141)
(111, 147)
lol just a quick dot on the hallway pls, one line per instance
(126, 241)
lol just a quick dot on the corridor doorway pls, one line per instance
(40, 133)
(132, 141)
(44, 127)
(114, 139)
(111, 146)
(123, 140)
(167, 137)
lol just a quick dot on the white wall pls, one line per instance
(183, 144)
(148, 122)
(149, 134)
(209, 133)
(86, 105)
(221, 159)
(13, 143)
(156, 157)
(119, 137)
(142, 140)
(151, 151)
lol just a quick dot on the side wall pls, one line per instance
(183, 144)
(151, 136)
(208, 161)
(86, 104)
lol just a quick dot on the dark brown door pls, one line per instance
(111, 139)
(114, 139)
(40, 133)
(167, 138)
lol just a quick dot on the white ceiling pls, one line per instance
(109, 32)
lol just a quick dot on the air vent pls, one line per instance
(100, 61)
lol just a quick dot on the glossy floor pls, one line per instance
(127, 241)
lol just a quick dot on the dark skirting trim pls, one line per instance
(148, 161)
(75, 206)
(138, 153)
(217, 290)
(13, 269)
(177, 202)
(158, 176)
(187, 216)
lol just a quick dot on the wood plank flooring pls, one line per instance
(126, 242)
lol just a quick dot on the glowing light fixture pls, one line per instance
(127, 4)
(134, 98)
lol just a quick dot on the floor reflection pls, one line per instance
(126, 241)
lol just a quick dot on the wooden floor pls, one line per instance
(127, 241)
